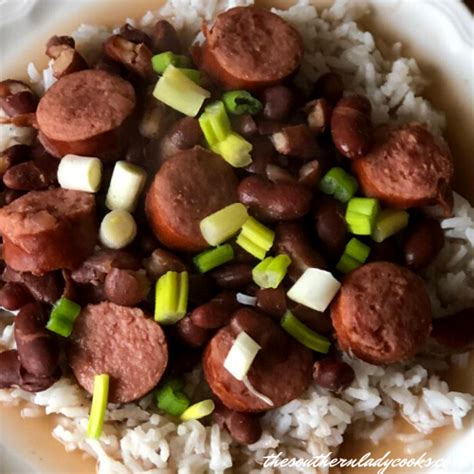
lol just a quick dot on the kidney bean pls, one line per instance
(297, 141)
(330, 225)
(268, 127)
(66, 59)
(242, 256)
(272, 301)
(262, 154)
(69, 289)
(165, 38)
(135, 35)
(201, 289)
(424, 240)
(154, 120)
(37, 347)
(184, 134)
(182, 358)
(244, 428)
(190, 334)
(25, 177)
(245, 125)
(292, 240)
(34, 383)
(17, 98)
(455, 333)
(315, 320)
(277, 174)
(333, 374)
(386, 251)
(277, 102)
(126, 287)
(330, 87)
(9, 369)
(351, 127)
(216, 313)
(274, 201)
(55, 41)
(232, 276)
(13, 156)
(162, 261)
(310, 174)
(8, 196)
(13, 296)
(319, 114)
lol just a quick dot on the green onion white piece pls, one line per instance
(256, 393)
(255, 238)
(315, 289)
(388, 223)
(241, 355)
(80, 173)
(62, 317)
(171, 297)
(126, 184)
(269, 273)
(179, 92)
(117, 229)
(198, 410)
(304, 334)
(99, 404)
(235, 149)
(223, 224)
(213, 258)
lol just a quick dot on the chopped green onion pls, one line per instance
(62, 317)
(255, 238)
(315, 289)
(388, 223)
(223, 224)
(99, 404)
(171, 298)
(270, 272)
(355, 254)
(235, 149)
(160, 62)
(241, 355)
(241, 102)
(304, 334)
(212, 258)
(361, 214)
(193, 74)
(198, 410)
(179, 92)
(171, 399)
(339, 184)
(215, 123)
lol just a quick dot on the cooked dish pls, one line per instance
(220, 250)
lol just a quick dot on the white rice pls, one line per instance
(138, 439)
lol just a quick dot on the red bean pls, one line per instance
(243, 427)
(9, 369)
(136, 36)
(217, 312)
(272, 301)
(232, 276)
(333, 374)
(245, 125)
(184, 134)
(319, 114)
(315, 320)
(191, 334)
(456, 332)
(13, 296)
(165, 38)
(201, 289)
(262, 154)
(310, 174)
(277, 102)
(126, 287)
(25, 177)
(330, 87)
(162, 261)
(296, 140)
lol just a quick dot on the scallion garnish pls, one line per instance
(223, 224)
(355, 254)
(388, 223)
(361, 214)
(241, 102)
(99, 404)
(62, 317)
(215, 123)
(171, 298)
(304, 334)
(179, 92)
(171, 399)
(160, 62)
(234, 149)
(339, 184)
(198, 410)
(241, 355)
(193, 74)
(270, 272)
(212, 258)
(255, 238)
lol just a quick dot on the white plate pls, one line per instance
(439, 33)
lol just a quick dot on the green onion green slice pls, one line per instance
(270, 272)
(241, 102)
(212, 258)
(99, 404)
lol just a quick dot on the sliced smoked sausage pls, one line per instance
(121, 342)
(188, 187)
(407, 167)
(382, 313)
(281, 370)
(48, 230)
(250, 48)
(82, 112)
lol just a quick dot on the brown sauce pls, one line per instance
(31, 436)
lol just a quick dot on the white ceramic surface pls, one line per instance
(440, 32)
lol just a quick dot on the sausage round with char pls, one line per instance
(121, 342)
(281, 370)
(382, 313)
(407, 167)
(187, 188)
(82, 112)
(250, 48)
(48, 230)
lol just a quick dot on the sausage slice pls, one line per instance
(382, 313)
(250, 48)
(121, 342)
(48, 230)
(188, 187)
(82, 111)
(281, 370)
(407, 167)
